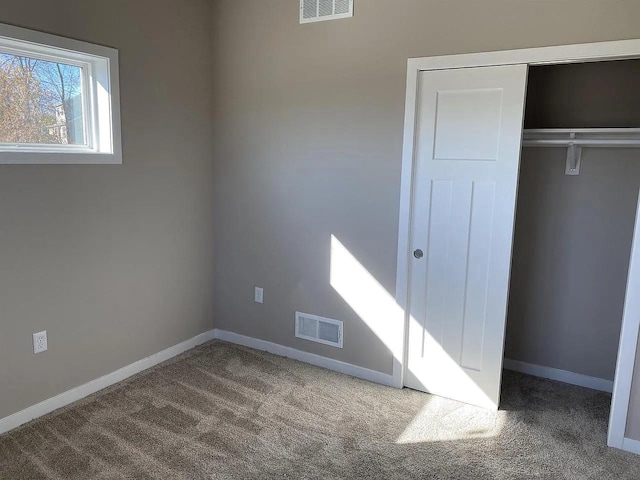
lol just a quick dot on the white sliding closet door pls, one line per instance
(467, 155)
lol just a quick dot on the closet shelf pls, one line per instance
(574, 139)
(581, 137)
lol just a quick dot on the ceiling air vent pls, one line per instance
(319, 329)
(318, 10)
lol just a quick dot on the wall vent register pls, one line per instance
(319, 329)
(319, 10)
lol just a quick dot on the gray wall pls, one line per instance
(115, 262)
(584, 95)
(570, 259)
(309, 122)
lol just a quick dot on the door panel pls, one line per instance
(477, 113)
(467, 159)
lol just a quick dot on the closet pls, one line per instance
(519, 248)
(577, 198)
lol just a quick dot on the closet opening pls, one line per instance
(574, 227)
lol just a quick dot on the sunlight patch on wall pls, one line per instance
(379, 310)
(367, 297)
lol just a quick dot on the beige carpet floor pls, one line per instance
(222, 411)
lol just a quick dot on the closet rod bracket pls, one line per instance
(574, 156)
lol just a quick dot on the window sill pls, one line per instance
(39, 158)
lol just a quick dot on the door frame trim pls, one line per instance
(593, 52)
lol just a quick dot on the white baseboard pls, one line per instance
(82, 391)
(630, 445)
(311, 358)
(77, 393)
(559, 375)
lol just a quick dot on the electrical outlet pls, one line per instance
(259, 295)
(40, 342)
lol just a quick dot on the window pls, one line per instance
(59, 101)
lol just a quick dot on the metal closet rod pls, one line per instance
(581, 137)
(574, 139)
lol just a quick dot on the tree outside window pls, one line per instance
(40, 102)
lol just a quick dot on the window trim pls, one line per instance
(101, 99)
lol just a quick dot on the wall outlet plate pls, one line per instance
(258, 296)
(40, 342)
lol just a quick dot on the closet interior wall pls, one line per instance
(573, 233)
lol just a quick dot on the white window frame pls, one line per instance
(101, 99)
